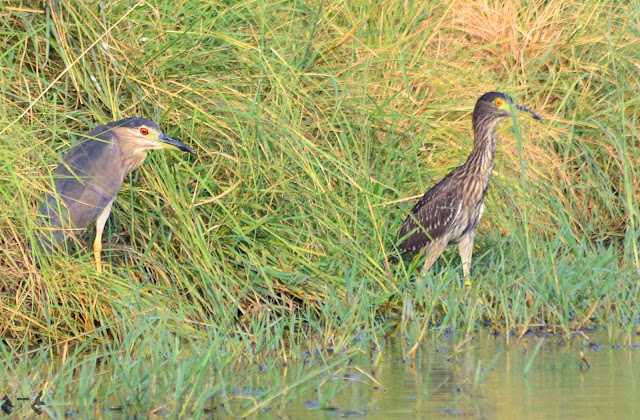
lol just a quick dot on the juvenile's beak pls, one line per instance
(171, 143)
(528, 111)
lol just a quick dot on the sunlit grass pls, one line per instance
(316, 128)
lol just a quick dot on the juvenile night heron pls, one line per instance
(90, 176)
(449, 212)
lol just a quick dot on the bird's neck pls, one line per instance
(132, 156)
(480, 160)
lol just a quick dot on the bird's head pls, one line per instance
(496, 105)
(142, 134)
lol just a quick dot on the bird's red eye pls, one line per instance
(497, 102)
(144, 131)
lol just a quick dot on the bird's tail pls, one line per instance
(46, 240)
(393, 258)
(51, 233)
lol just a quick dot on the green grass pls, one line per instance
(316, 125)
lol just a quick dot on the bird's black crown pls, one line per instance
(134, 122)
(490, 96)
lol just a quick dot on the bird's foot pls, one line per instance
(468, 285)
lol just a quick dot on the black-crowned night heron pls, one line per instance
(90, 176)
(449, 212)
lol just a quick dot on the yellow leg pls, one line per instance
(97, 244)
(97, 247)
(465, 247)
(433, 252)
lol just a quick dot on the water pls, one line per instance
(558, 383)
(479, 377)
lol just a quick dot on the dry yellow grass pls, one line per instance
(314, 127)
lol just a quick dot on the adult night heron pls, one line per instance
(449, 212)
(90, 176)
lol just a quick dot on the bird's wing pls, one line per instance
(83, 184)
(432, 216)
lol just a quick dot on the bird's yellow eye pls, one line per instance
(497, 102)
(144, 131)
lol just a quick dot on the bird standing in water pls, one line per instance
(449, 212)
(87, 181)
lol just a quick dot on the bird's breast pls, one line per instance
(132, 159)
(470, 222)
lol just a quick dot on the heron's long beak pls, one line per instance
(528, 111)
(171, 143)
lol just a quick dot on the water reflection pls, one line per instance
(484, 380)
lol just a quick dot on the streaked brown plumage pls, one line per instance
(87, 181)
(449, 212)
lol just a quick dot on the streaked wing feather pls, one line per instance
(432, 216)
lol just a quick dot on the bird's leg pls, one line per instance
(465, 247)
(433, 252)
(97, 244)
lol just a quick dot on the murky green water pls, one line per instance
(485, 380)
(482, 377)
